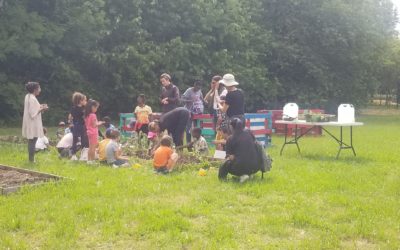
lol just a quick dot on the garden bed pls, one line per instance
(12, 178)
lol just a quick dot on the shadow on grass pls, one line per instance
(346, 159)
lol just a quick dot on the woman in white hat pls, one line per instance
(234, 101)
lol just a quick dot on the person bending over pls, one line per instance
(174, 122)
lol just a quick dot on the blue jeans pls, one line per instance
(119, 162)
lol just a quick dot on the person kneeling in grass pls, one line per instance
(164, 157)
(103, 146)
(242, 158)
(113, 152)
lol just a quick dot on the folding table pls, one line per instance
(340, 141)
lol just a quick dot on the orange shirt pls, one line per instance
(161, 156)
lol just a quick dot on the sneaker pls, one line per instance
(244, 178)
(115, 166)
(90, 162)
(74, 158)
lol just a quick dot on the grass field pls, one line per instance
(306, 202)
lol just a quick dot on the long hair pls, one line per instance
(77, 97)
(237, 125)
(88, 108)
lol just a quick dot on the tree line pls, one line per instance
(314, 52)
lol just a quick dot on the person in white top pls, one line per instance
(32, 127)
(42, 142)
(64, 145)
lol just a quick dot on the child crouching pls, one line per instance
(113, 152)
(164, 157)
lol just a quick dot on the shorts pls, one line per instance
(161, 170)
(93, 139)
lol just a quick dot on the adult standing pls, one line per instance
(193, 99)
(174, 122)
(234, 101)
(242, 159)
(169, 97)
(213, 97)
(32, 126)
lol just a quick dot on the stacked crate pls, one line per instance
(260, 126)
(205, 122)
(280, 128)
(127, 124)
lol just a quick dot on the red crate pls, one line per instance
(280, 128)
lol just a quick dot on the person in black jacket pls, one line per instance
(174, 122)
(242, 158)
(169, 97)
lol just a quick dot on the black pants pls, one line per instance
(144, 129)
(229, 167)
(31, 148)
(189, 129)
(79, 131)
(177, 132)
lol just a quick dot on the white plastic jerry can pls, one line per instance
(290, 111)
(346, 113)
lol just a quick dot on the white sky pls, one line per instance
(397, 4)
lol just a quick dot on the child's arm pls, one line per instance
(172, 161)
(96, 123)
(118, 155)
(222, 142)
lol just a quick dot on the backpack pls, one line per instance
(264, 159)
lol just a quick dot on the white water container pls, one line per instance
(346, 113)
(290, 111)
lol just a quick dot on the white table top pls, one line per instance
(334, 124)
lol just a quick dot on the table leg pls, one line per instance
(351, 140)
(296, 139)
(340, 142)
(284, 144)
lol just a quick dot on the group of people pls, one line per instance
(224, 100)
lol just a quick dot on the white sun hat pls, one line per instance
(229, 80)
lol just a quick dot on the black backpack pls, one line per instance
(264, 159)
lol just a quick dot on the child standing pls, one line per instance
(114, 153)
(164, 157)
(142, 113)
(79, 129)
(92, 128)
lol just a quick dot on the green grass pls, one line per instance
(306, 202)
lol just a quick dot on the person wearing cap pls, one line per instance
(60, 130)
(174, 122)
(154, 142)
(32, 126)
(169, 97)
(213, 97)
(234, 100)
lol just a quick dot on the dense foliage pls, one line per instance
(314, 52)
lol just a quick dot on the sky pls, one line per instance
(397, 4)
